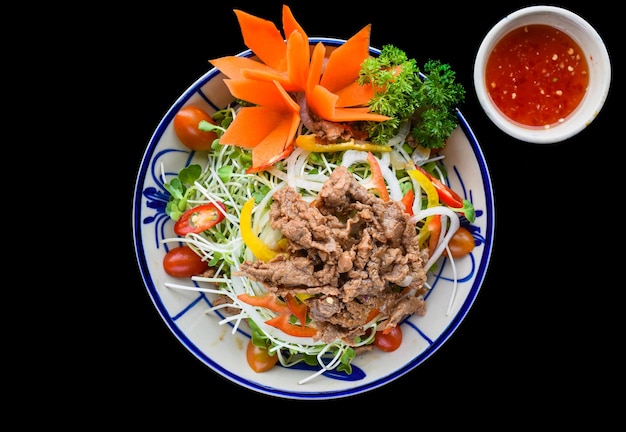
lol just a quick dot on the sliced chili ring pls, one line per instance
(200, 218)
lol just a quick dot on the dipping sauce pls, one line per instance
(537, 75)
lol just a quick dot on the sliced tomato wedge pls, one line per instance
(200, 218)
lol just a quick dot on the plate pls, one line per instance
(223, 351)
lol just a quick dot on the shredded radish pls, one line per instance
(352, 157)
(455, 223)
(400, 137)
(307, 174)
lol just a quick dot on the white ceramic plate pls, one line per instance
(224, 352)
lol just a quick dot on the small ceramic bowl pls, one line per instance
(594, 95)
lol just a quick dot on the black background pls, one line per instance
(535, 341)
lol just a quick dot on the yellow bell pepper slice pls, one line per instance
(427, 185)
(432, 200)
(260, 249)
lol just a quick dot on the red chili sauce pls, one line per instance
(537, 75)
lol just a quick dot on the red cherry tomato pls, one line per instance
(389, 341)
(186, 128)
(199, 219)
(182, 261)
(259, 359)
(461, 243)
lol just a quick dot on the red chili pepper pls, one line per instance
(199, 219)
(297, 308)
(446, 195)
(434, 227)
(373, 314)
(407, 201)
(377, 177)
(285, 310)
(268, 301)
(281, 322)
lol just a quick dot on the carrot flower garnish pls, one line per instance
(284, 72)
(268, 127)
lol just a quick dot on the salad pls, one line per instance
(323, 203)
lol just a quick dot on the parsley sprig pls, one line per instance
(428, 99)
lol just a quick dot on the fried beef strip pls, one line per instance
(351, 252)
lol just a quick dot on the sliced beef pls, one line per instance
(351, 252)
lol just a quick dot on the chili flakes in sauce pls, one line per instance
(537, 75)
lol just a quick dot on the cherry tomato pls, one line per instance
(259, 359)
(182, 261)
(389, 341)
(199, 219)
(461, 243)
(186, 128)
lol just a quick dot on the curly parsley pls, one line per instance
(428, 99)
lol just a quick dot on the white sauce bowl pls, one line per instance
(597, 58)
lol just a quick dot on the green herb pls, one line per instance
(179, 189)
(440, 95)
(428, 100)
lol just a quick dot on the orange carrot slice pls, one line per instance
(233, 66)
(281, 136)
(355, 95)
(256, 92)
(284, 155)
(316, 66)
(288, 103)
(295, 78)
(284, 120)
(268, 94)
(290, 24)
(268, 76)
(298, 57)
(251, 126)
(264, 39)
(268, 128)
(323, 103)
(356, 114)
(344, 63)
